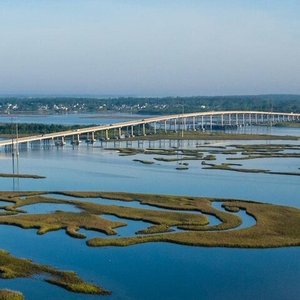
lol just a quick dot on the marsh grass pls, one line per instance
(10, 295)
(29, 176)
(276, 226)
(13, 267)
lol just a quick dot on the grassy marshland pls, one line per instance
(228, 167)
(208, 153)
(13, 267)
(71, 222)
(10, 295)
(276, 226)
(89, 217)
(9, 175)
(145, 162)
(199, 135)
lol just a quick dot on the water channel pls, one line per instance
(154, 270)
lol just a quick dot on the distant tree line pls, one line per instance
(150, 105)
(24, 128)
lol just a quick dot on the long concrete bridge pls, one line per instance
(185, 121)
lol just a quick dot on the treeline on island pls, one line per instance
(149, 105)
(31, 128)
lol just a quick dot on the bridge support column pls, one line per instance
(165, 126)
(154, 127)
(211, 122)
(194, 123)
(236, 119)
(106, 134)
(144, 130)
(132, 131)
(202, 123)
(229, 119)
(93, 136)
(175, 125)
(184, 124)
(120, 132)
(243, 119)
(222, 120)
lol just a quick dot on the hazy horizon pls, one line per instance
(141, 49)
(136, 96)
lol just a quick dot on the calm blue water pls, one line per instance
(158, 271)
(71, 119)
(47, 208)
(155, 270)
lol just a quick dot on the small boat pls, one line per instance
(182, 166)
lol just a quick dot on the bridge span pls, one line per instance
(185, 121)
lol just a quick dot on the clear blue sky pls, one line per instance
(139, 47)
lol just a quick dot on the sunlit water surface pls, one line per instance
(155, 270)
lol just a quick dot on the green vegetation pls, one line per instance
(21, 176)
(228, 167)
(13, 267)
(145, 162)
(9, 129)
(266, 155)
(288, 124)
(150, 105)
(199, 135)
(206, 153)
(10, 295)
(276, 226)
(89, 217)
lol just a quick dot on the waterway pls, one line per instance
(154, 270)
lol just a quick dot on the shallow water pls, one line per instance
(70, 119)
(248, 221)
(205, 273)
(94, 169)
(47, 208)
(155, 270)
(5, 203)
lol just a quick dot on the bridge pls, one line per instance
(185, 121)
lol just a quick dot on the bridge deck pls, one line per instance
(145, 121)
